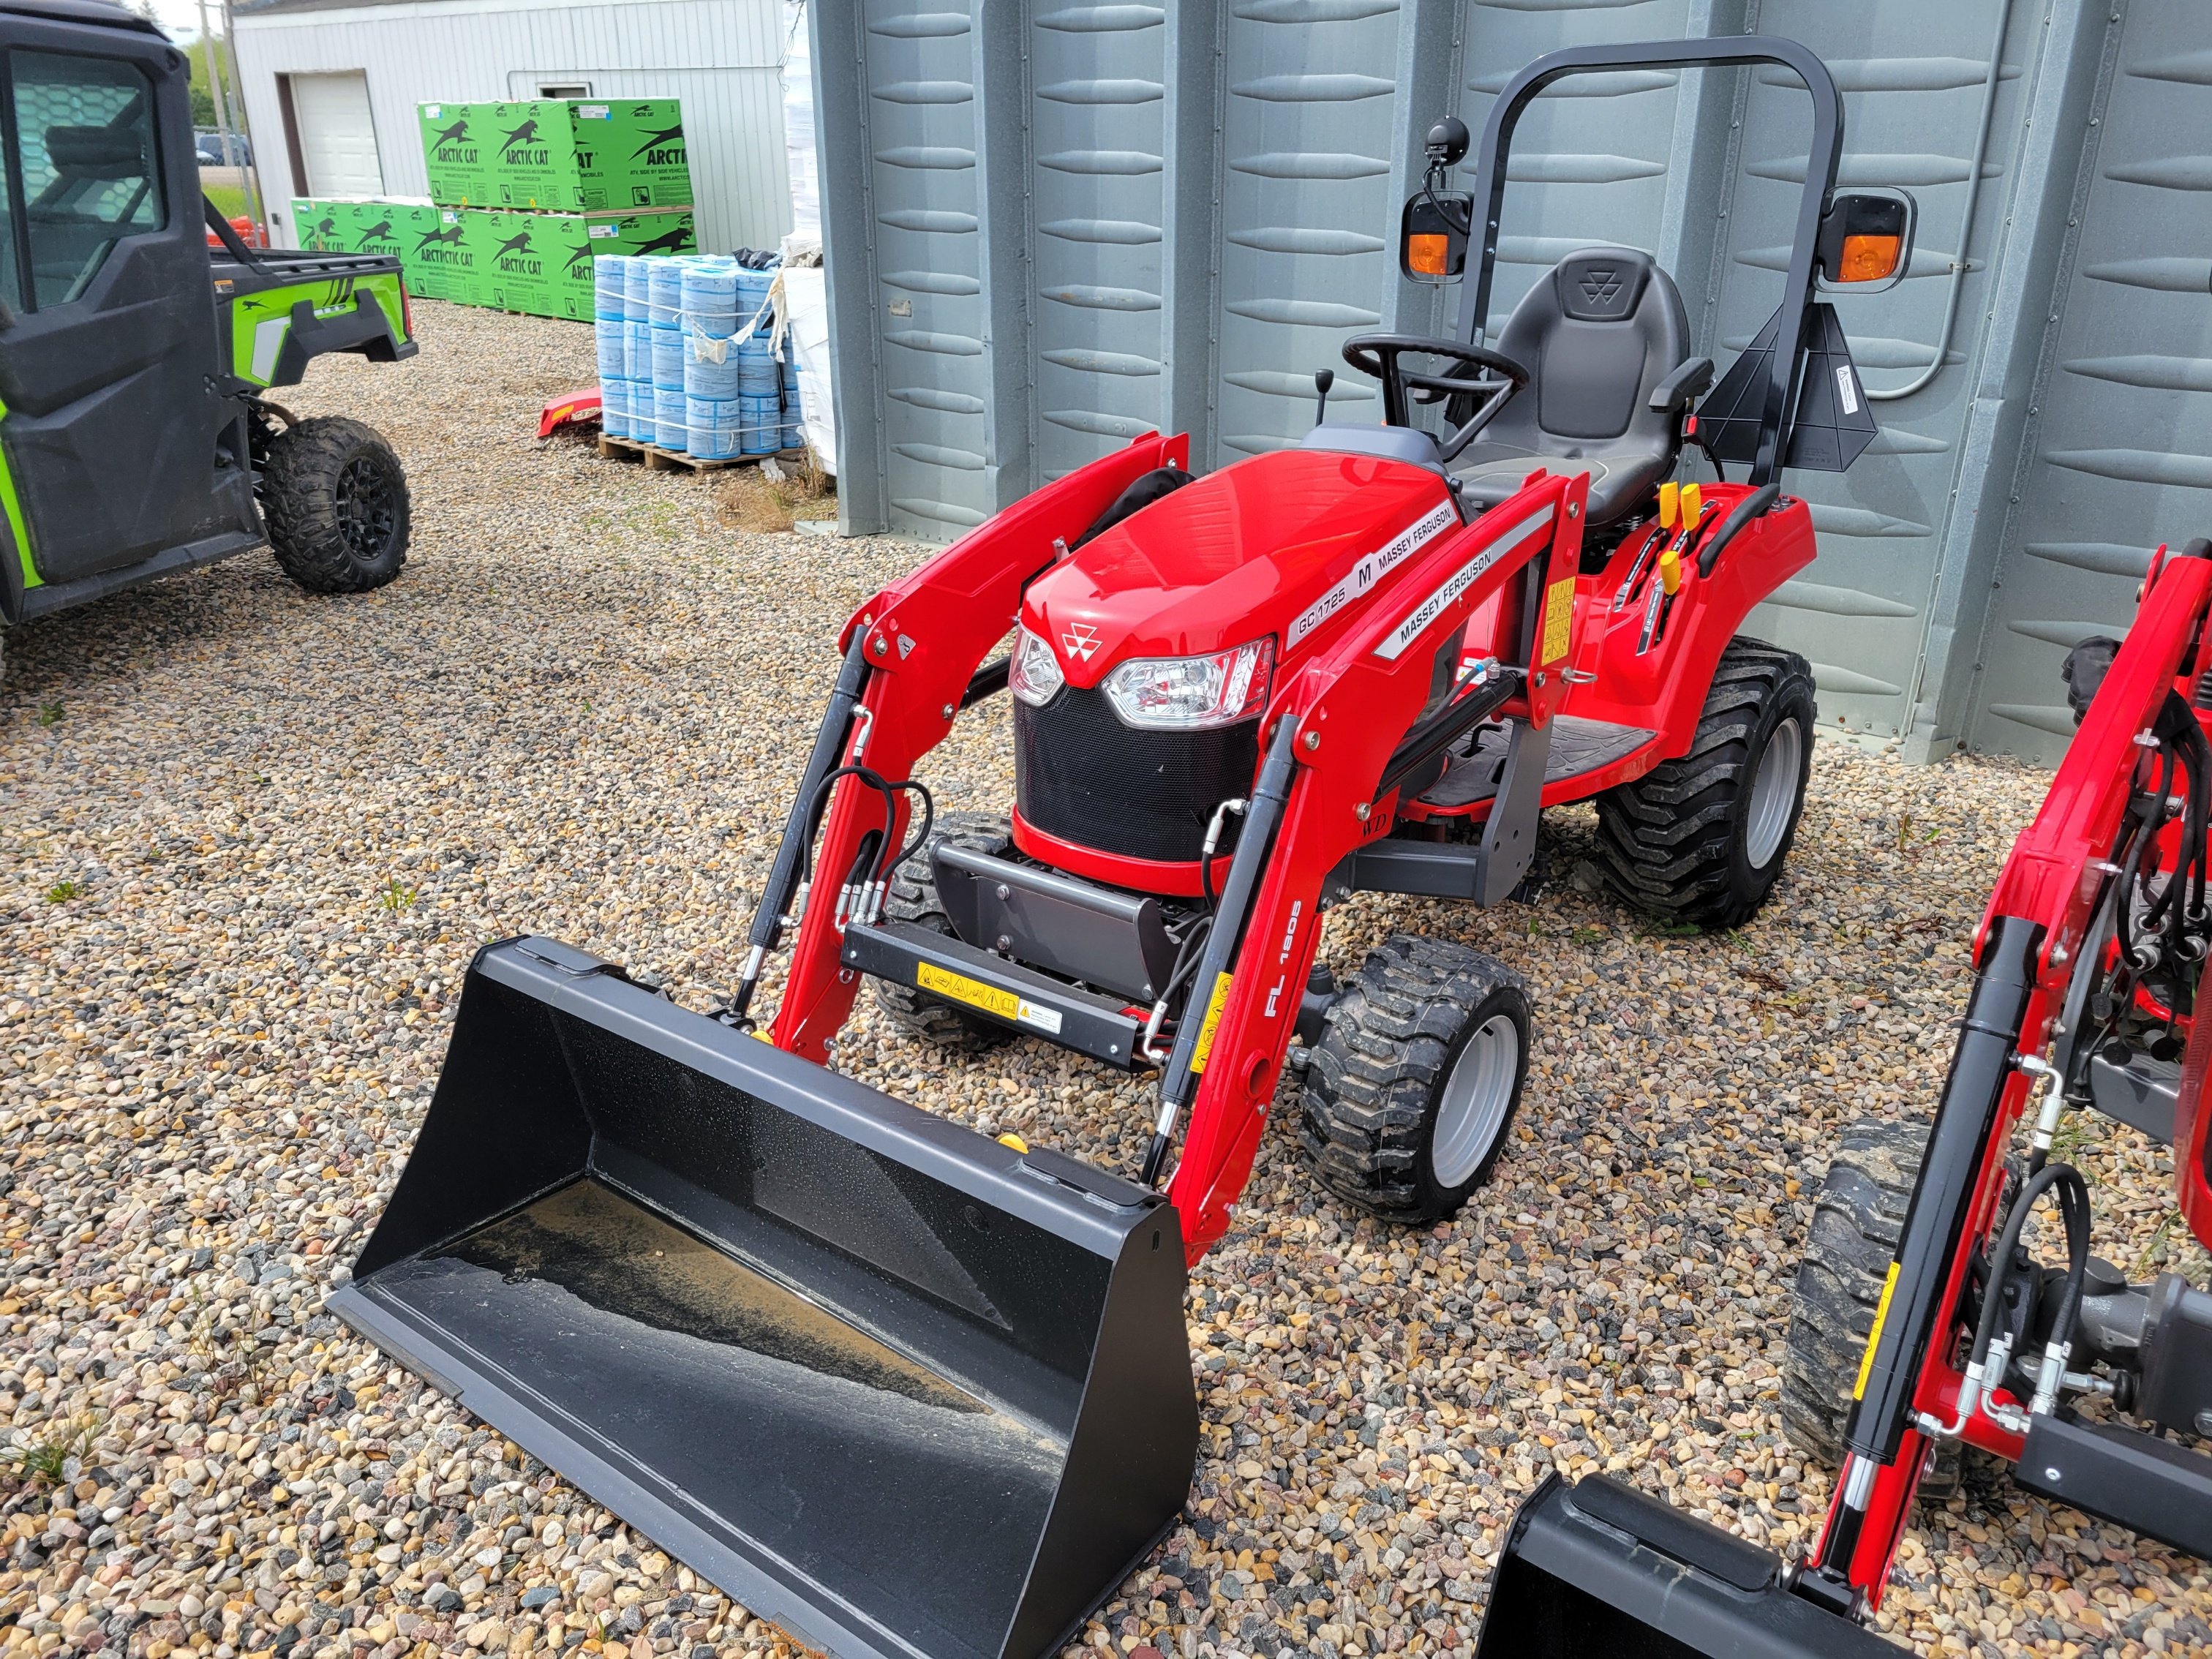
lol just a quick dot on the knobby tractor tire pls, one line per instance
(1856, 1220)
(1427, 1035)
(1702, 839)
(334, 497)
(913, 898)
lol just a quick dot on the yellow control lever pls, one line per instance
(1669, 504)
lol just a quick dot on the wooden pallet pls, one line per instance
(658, 459)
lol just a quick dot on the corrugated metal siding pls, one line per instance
(720, 56)
(2122, 444)
(1190, 257)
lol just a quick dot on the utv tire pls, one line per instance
(334, 497)
(1856, 1219)
(1410, 1094)
(1702, 839)
(913, 898)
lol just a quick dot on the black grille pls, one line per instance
(1081, 775)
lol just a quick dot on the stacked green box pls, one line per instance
(541, 263)
(585, 155)
(454, 153)
(442, 264)
(370, 225)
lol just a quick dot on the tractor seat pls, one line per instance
(1598, 334)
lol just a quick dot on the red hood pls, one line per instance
(1255, 548)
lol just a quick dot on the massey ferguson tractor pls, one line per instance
(905, 1389)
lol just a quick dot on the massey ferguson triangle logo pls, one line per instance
(1601, 285)
(1081, 641)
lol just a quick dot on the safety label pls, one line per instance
(1458, 582)
(1371, 570)
(1204, 1046)
(1873, 1336)
(1559, 618)
(991, 999)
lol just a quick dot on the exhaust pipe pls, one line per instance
(902, 1390)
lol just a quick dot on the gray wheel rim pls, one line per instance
(1774, 793)
(1477, 1094)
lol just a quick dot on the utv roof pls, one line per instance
(104, 13)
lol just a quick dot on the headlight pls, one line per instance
(1033, 675)
(1192, 694)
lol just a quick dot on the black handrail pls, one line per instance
(1826, 150)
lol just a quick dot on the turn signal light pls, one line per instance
(1430, 255)
(1869, 259)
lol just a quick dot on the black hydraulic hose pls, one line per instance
(2073, 1205)
(928, 823)
(866, 774)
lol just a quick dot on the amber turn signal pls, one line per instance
(1869, 259)
(1430, 255)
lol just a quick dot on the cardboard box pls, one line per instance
(541, 263)
(455, 153)
(441, 264)
(587, 155)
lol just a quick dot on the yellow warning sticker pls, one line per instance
(1873, 1336)
(1559, 618)
(1204, 1046)
(991, 999)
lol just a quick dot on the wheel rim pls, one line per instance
(1478, 1095)
(1774, 793)
(366, 512)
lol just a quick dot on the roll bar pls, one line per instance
(1819, 178)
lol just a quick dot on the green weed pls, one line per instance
(50, 713)
(46, 1462)
(1586, 937)
(396, 898)
(63, 891)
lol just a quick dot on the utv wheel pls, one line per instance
(1856, 1220)
(334, 497)
(913, 898)
(1411, 1091)
(1702, 839)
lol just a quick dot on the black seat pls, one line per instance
(1598, 335)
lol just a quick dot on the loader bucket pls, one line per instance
(1597, 1571)
(895, 1387)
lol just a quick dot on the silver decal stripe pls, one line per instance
(1371, 570)
(1456, 584)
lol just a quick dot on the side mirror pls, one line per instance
(1866, 239)
(1432, 237)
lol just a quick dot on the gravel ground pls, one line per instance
(252, 839)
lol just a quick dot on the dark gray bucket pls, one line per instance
(896, 1387)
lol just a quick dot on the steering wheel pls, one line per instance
(1377, 356)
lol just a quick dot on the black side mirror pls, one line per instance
(1449, 141)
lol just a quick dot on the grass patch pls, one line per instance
(229, 199)
(745, 498)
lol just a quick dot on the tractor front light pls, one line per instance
(1193, 694)
(1033, 674)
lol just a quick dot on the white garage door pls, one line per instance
(337, 139)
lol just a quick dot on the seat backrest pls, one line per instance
(1596, 334)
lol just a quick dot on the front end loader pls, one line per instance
(1925, 1326)
(905, 1389)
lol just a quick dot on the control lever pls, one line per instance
(1323, 379)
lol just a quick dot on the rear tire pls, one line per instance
(1857, 1218)
(1410, 1092)
(334, 497)
(1702, 839)
(913, 898)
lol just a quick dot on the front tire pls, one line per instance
(1410, 1092)
(334, 497)
(913, 898)
(1702, 839)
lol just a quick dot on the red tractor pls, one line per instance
(772, 1317)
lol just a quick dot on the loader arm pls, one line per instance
(1344, 715)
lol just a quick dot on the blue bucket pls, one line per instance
(763, 425)
(610, 286)
(710, 287)
(703, 376)
(614, 407)
(637, 350)
(668, 354)
(665, 291)
(714, 423)
(671, 421)
(607, 337)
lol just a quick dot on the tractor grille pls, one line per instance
(1081, 775)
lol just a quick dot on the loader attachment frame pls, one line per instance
(1586, 1571)
(1334, 733)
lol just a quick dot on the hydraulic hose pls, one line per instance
(1988, 1359)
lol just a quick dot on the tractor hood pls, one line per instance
(1281, 544)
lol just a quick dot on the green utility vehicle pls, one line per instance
(139, 337)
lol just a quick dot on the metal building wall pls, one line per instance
(1171, 214)
(722, 58)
